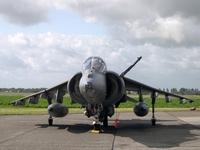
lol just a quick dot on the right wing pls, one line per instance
(132, 85)
(56, 93)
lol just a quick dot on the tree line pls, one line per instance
(182, 91)
(34, 90)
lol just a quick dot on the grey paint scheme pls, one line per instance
(98, 90)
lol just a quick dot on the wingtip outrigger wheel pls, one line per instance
(153, 98)
(50, 120)
(153, 121)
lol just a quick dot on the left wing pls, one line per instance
(56, 93)
(132, 85)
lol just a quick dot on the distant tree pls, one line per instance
(183, 91)
(174, 90)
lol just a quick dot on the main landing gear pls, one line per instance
(105, 121)
(153, 98)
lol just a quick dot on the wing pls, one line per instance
(56, 93)
(132, 85)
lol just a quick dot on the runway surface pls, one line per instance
(173, 130)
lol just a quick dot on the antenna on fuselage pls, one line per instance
(129, 68)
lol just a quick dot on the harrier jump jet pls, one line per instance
(98, 91)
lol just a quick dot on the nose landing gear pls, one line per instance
(97, 125)
(96, 111)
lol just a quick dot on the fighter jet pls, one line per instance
(99, 91)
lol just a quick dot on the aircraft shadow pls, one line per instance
(78, 128)
(139, 131)
(158, 136)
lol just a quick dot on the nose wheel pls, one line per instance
(97, 127)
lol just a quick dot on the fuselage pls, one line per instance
(95, 85)
(92, 84)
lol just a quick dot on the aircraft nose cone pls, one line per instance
(88, 85)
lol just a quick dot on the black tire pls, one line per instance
(105, 121)
(50, 121)
(153, 121)
(97, 127)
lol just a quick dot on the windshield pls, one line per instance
(95, 63)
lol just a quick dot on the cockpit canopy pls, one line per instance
(95, 63)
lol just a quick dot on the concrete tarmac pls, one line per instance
(173, 130)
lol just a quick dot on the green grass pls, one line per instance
(160, 102)
(7, 97)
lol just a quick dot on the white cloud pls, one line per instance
(167, 38)
(25, 13)
(163, 23)
(170, 28)
(19, 39)
(56, 56)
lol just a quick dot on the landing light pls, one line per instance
(88, 85)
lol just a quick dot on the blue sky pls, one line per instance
(44, 43)
(58, 21)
